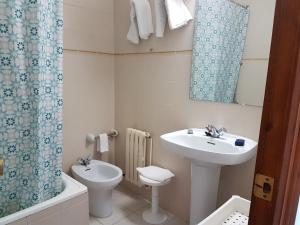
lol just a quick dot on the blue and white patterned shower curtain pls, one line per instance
(220, 30)
(31, 80)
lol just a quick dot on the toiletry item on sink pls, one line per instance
(239, 142)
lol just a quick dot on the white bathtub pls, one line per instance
(72, 189)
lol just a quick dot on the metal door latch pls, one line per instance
(263, 187)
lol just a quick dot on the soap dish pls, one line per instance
(233, 212)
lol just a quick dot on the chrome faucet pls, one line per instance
(85, 161)
(214, 132)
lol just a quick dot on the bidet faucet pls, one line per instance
(214, 132)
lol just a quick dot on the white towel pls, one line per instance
(102, 143)
(160, 17)
(140, 21)
(155, 173)
(178, 13)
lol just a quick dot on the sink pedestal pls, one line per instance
(204, 190)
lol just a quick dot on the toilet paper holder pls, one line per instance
(91, 138)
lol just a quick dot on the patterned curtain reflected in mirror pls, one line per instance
(220, 30)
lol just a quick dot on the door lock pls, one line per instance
(263, 187)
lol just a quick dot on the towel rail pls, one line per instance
(112, 133)
(91, 138)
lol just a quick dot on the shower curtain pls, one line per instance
(31, 79)
(220, 30)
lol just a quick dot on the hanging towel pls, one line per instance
(160, 17)
(102, 143)
(155, 173)
(141, 26)
(178, 13)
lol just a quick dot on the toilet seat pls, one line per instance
(153, 183)
(154, 215)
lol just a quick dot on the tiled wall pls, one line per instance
(89, 25)
(88, 75)
(152, 93)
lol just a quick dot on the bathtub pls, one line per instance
(68, 208)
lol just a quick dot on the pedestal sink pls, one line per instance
(207, 155)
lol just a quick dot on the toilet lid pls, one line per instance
(153, 183)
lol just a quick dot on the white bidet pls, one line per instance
(100, 178)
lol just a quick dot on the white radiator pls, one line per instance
(137, 149)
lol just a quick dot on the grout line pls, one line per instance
(153, 52)
(88, 52)
(147, 53)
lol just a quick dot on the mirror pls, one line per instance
(225, 68)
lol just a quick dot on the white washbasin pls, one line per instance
(207, 156)
(198, 146)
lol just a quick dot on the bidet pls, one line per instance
(100, 178)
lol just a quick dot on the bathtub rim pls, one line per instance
(72, 189)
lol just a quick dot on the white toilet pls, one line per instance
(100, 178)
(155, 177)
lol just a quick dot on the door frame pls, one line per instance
(278, 153)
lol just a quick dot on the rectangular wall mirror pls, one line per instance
(227, 65)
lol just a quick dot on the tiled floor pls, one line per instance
(128, 209)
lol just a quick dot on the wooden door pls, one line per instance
(279, 141)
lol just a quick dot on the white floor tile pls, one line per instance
(128, 201)
(133, 219)
(117, 215)
(93, 221)
(148, 206)
(174, 221)
(128, 210)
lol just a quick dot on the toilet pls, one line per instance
(100, 178)
(151, 176)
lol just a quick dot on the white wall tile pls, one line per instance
(88, 103)
(105, 6)
(88, 29)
